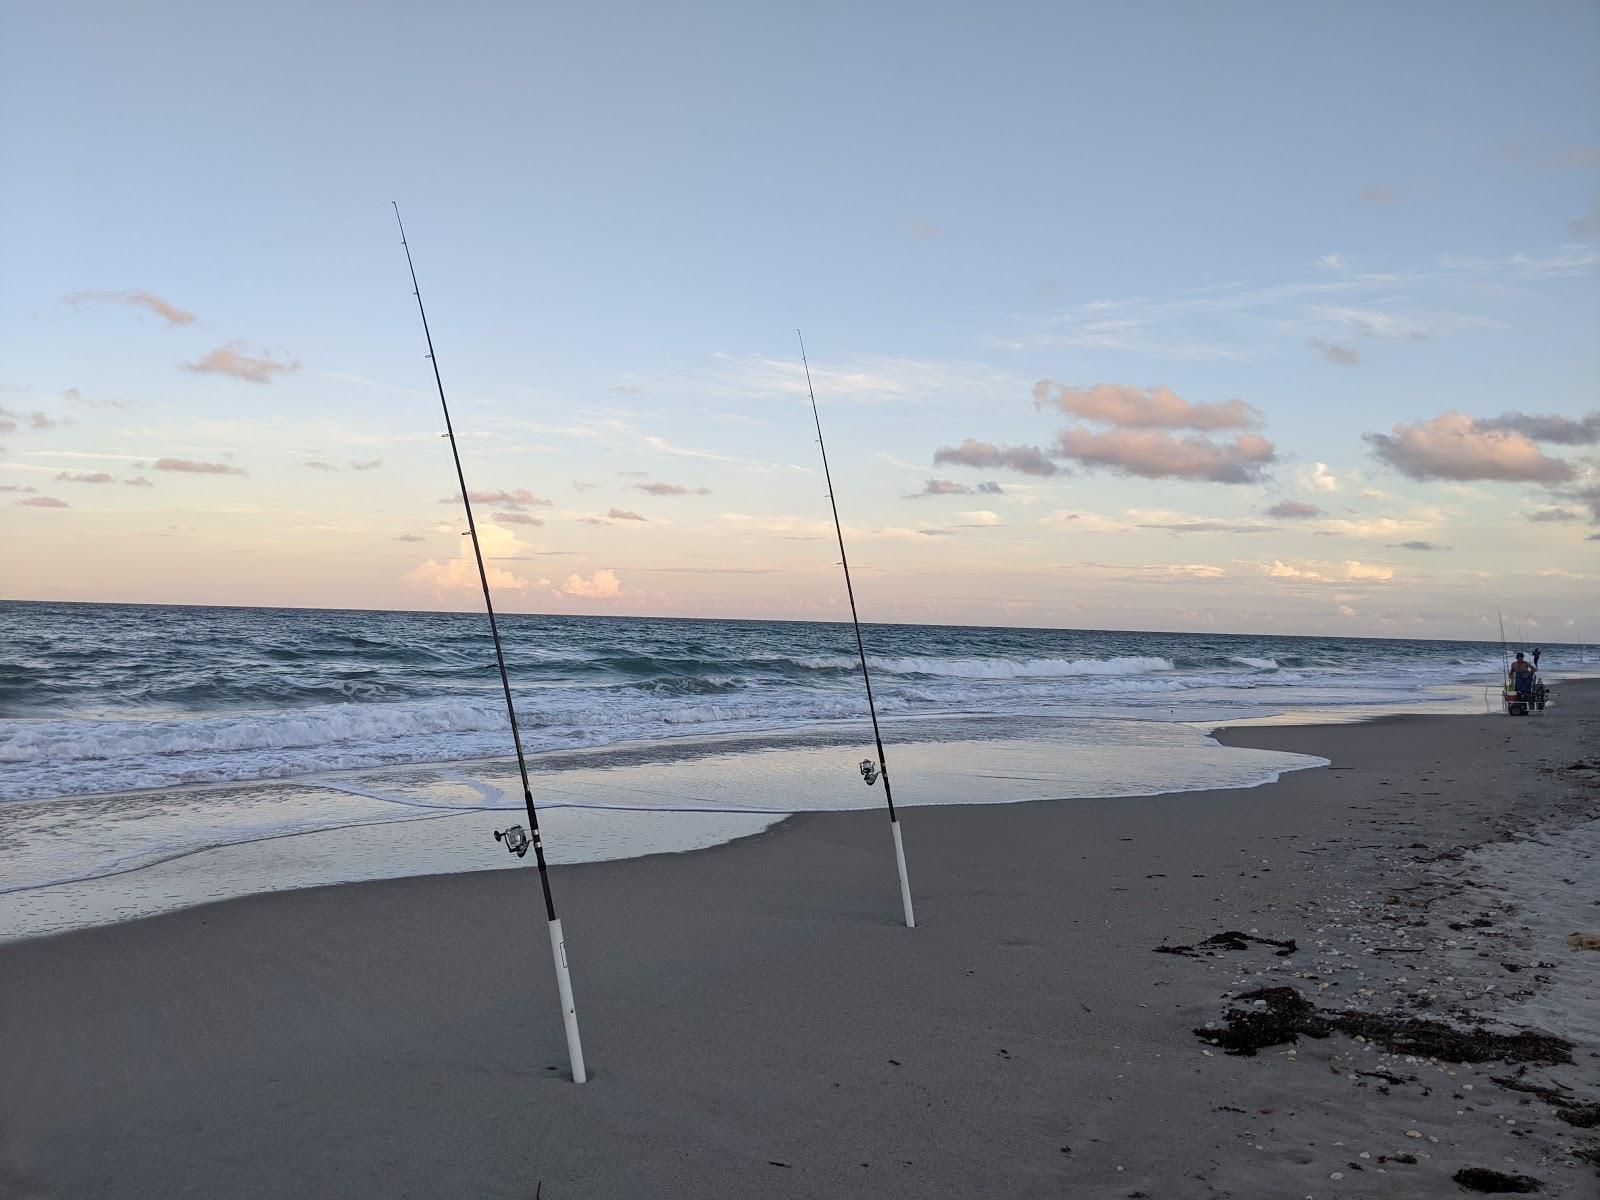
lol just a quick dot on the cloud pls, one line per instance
(516, 518)
(1317, 478)
(936, 532)
(15, 487)
(1277, 569)
(1348, 571)
(138, 481)
(623, 514)
(1454, 446)
(1205, 527)
(1334, 352)
(234, 360)
(43, 502)
(410, 537)
(11, 420)
(579, 485)
(167, 311)
(671, 489)
(1360, 571)
(1554, 514)
(1029, 460)
(1294, 510)
(921, 227)
(1332, 262)
(1543, 427)
(980, 518)
(461, 573)
(321, 466)
(196, 468)
(518, 499)
(83, 477)
(1380, 194)
(1146, 408)
(1372, 323)
(593, 521)
(1344, 610)
(602, 585)
(941, 487)
(949, 487)
(366, 464)
(1416, 546)
(1156, 454)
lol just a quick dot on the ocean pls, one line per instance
(196, 740)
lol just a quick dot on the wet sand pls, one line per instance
(757, 1022)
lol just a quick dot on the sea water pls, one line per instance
(153, 756)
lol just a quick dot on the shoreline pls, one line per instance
(757, 1021)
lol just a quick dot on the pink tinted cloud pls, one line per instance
(192, 467)
(138, 481)
(1029, 460)
(166, 310)
(83, 477)
(236, 361)
(1143, 408)
(1454, 446)
(43, 502)
(1156, 454)
(623, 514)
(516, 518)
(671, 489)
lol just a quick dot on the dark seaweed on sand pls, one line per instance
(1285, 1014)
(1482, 1179)
(1229, 939)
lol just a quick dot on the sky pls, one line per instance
(1234, 317)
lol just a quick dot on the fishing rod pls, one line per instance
(516, 840)
(869, 772)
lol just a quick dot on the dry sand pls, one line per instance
(759, 1024)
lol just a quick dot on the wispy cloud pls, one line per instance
(516, 518)
(949, 487)
(671, 489)
(921, 227)
(1206, 527)
(83, 477)
(137, 481)
(1415, 545)
(366, 464)
(237, 362)
(43, 502)
(11, 420)
(165, 309)
(623, 514)
(193, 467)
(1554, 515)
(1334, 353)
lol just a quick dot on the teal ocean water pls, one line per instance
(155, 757)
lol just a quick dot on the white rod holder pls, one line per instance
(569, 1011)
(905, 882)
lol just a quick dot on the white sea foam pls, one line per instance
(997, 668)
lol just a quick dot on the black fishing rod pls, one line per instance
(516, 841)
(868, 772)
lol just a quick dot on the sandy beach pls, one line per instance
(757, 1022)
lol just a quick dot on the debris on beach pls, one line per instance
(1483, 1179)
(1229, 939)
(1281, 1014)
(1584, 941)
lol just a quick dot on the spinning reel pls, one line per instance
(869, 772)
(515, 838)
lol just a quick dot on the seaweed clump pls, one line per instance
(1482, 1179)
(1283, 1015)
